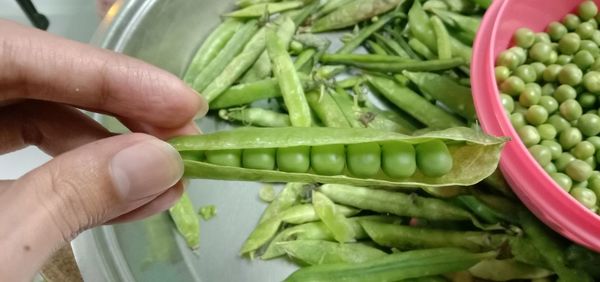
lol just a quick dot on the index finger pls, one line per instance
(38, 65)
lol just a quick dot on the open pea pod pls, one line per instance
(262, 154)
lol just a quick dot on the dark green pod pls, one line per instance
(475, 154)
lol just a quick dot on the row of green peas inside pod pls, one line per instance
(396, 159)
(550, 86)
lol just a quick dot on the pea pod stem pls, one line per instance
(414, 104)
(233, 47)
(289, 81)
(395, 267)
(256, 117)
(210, 48)
(408, 238)
(187, 222)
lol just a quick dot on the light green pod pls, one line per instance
(475, 154)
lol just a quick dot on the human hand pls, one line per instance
(96, 177)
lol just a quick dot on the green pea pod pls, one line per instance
(333, 219)
(475, 155)
(408, 238)
(395, 203)
(246, 3)
(483, 3)
(289, 196)
(256, 117)
(258, 10)
(506, 270)
(365, 33)
(318, 231)
(210, 48)
(316, 252)
(186, 221)
(331, 6)
(468, 24)
(442, 88)
(410, 65)
(327, 109)
(360, 58)
(353, 13)
(243, 94)
(394, 267)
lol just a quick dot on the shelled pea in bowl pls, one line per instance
(537, 80)
(364, 108)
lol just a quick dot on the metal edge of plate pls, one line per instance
(96, 251)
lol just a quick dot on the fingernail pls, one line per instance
(145, 169)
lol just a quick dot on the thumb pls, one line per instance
(83, 188)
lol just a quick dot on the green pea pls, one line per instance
(541, 154)
(578, 170)
(562, 180)
(570, 74)
(542, 37)
(591, 161)
(564, 92)
(595, 140)
(589, 124)
(594, 183)
(364, 160)
(585, 30)
(507, 102)
(524, 37)
(529, 97)
(508, 59)
(517, 120)
(583, 59)
(529, 135)
(536, 115)
(225, 157)
(587, 10)
(512, 86)
(261, 158)
(556, 30)
(399, 159)
(548, 89)
(554, 147)
(594, 22)
(570, 110)
(520, 109)
(547, 131)
(434, 158)
(539, 69)
(540, 52)
(590, 46)
(584, 196)
(569, 44)
(583, 150)
(551, 73)
(549, 103)
(550, 168)
(591, 82)
(328, 159)
(562, 161)
(596, 65)
(520, 53)
(558, 122)
(596, 37)
(294, 159)
(571, 21)
(597, 156)
(502, 73)
(526, 73)
(587, 100)
(564, 59)
(193, 155)
(569, 138)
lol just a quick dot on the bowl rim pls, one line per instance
(575, 221)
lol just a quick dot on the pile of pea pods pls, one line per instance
(550, 83)
(364, 109)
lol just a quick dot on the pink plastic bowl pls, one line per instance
(529, 181)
